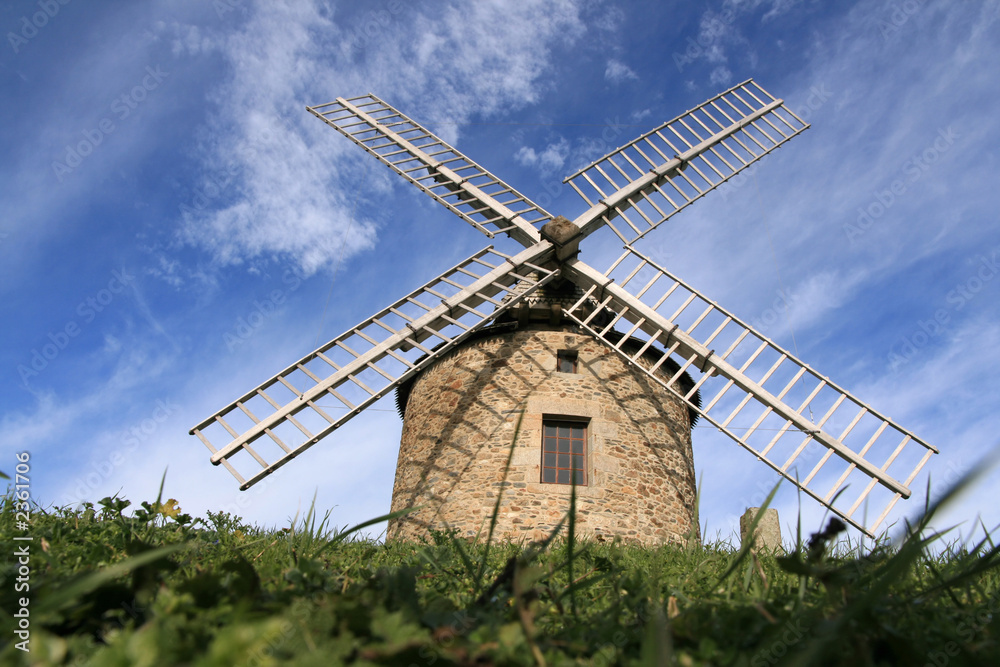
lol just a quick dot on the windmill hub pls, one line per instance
(564, 235)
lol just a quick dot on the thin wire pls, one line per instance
(340, 258)
(744, 428)
(341, 407)
(525, 124)
(781, 284)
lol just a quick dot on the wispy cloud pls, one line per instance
(617, 72)
(267, 191)
(777, 7)
(549, 159)
(293, 189)
(721, 33)
(848, 303)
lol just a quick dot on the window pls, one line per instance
(564, 451)
(566, 361)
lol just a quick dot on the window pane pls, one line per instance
(566, 361)
(564, 452)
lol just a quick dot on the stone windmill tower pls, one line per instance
(531, 374)
(580, 414)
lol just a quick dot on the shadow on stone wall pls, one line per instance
(458, 433)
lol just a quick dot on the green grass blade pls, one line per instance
(571, 542)
(342, 535)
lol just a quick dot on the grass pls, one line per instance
(156, 587)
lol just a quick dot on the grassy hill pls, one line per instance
(117, 585)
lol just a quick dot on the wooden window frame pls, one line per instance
(561, 432)
(567, 356)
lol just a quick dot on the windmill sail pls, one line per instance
(831, 445)
(639, 186)
(295, 409)
(416, 154)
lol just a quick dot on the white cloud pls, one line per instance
(712, 30)
(819, 294)
(851, 301)
(719, 32)
(190, 40)
(549, 159)
(282, 195)
(637, 116)
(294, 190)
(617, 72)
(296, 184)
(720, 76)
(778, 7)
(611, 20)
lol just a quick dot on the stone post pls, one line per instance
(768, 531)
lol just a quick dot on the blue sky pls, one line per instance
(176, 227)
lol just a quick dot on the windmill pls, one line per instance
(636, 328)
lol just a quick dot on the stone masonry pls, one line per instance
(460, 418)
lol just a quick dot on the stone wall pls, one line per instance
(460, 419)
